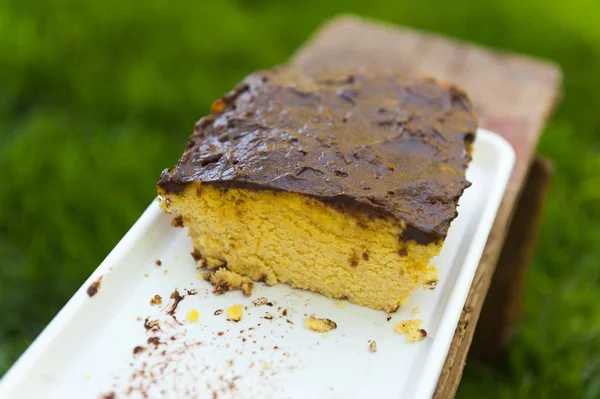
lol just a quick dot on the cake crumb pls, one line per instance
(416, 310)
(192, 316)
(165, 271)
(87, 377)
(319, 324)
(158, 262)
(260, 301)
(268, 316)
(94, 287)
(201, 276)
(267, 366)
(340, 304)
(373, 346)
(431, 278)
(147, 275)
(224, 280)
(156, 300)
(412, 329)
(235, 313)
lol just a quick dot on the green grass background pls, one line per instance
(96, 97)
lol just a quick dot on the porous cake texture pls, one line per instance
(342, 183)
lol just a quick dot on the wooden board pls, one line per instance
(513, 95)
(502, 306)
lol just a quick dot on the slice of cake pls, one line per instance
(339, 183)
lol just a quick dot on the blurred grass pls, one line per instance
(96, 97)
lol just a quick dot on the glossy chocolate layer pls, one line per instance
(393, 146)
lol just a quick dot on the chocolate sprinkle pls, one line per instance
(176, 299)
(94, 287)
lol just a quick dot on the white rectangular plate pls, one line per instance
(87, 350)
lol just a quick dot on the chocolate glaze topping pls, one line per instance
(395, 147)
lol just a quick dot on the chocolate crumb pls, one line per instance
(191, 292)
(403, 251)
(154, 341)
(94, 287)
(158, 262)
(365, 256)
(110, 395)
(138, 349)
(275, 347)
(176, 299)
(151, 324)
(196, 255)
(289, 321)
(389, 318)
(285, 312)
(218, 312)
(177, 221)
(220, 333)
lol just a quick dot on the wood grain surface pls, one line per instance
(502, 307)
(513, 95)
